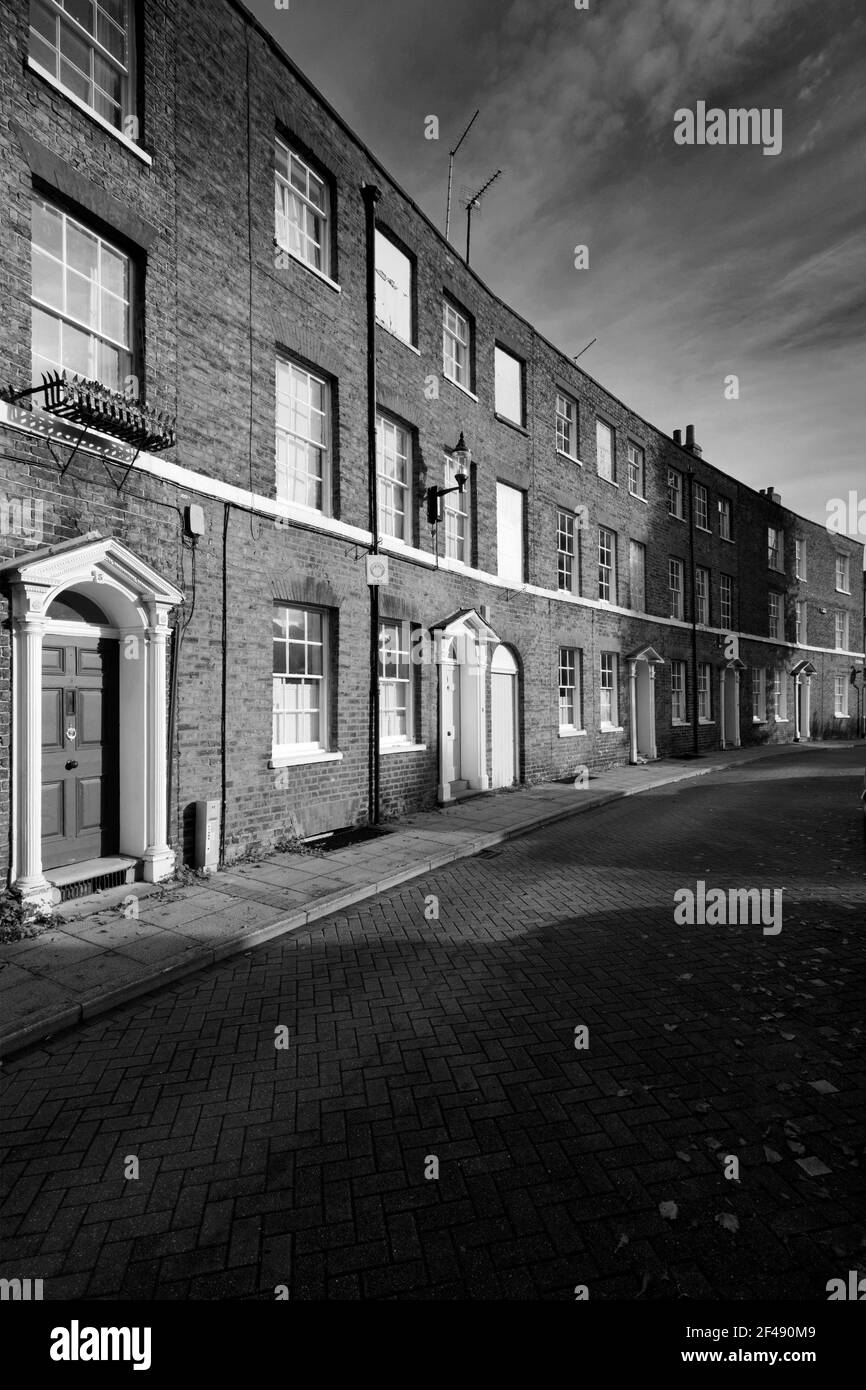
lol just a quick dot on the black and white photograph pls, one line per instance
(432, 673)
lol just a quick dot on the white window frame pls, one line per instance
(46, 57)
(843, 573)
(702, 595)
(456, 515)
(296, 210)
(675, 493)
(841, 628)
(800, 636)
(456, 345)
(320, 681)
(705, 693)
(636, 469)
(775, 615)
(676, 571)
(726, 601)
(395, 302)
(98, 288)
(569, 689)
(393, 445)
(402, 687)
(566, 552)
(702, 507)
(840, 695)
(605, 453)
(636, 548)
(679, 693)
(776, 549)
(800, 558)
(504, 363)
(566, 426)
(726, 511)
(290, 373)
(608, 693)
(607, 566)
(759, 695)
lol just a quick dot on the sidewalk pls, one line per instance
(101, 956)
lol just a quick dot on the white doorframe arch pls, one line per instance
(136, 601)
(504, 663)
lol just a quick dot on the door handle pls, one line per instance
(72, 763)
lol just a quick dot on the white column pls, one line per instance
(736, 709)
(796, 709)
(632, 711)
(722, 708)
(805, 733)
(28, 630)
(158, 857)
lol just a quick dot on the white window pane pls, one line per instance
(82, 298)
(393, 288)
(47, 279)
(509, 533)
(508, 386)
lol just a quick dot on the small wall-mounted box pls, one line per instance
(207, 835)
(194, 518)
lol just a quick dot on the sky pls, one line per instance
(704, 261)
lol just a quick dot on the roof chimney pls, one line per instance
(692, 447)
(773, 495)
(678, 436)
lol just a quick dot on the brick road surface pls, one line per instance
(454, 1038)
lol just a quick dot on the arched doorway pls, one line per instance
(504, 723)
(60, 597)
(642, 704)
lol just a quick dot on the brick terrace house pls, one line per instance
(275, 357)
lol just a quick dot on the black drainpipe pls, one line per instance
(694, 595)
(371, 195)
(177, 638)
(224, 706)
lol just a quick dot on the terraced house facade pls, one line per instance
(300, 520)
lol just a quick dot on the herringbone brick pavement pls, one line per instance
(454, 1038)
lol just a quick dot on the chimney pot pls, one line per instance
(678, 436)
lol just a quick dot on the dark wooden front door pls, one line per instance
(79, 749)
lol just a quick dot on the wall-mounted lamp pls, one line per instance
(462, 457)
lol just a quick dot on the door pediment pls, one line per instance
(648, 654)
(467, 620)
(119, 577)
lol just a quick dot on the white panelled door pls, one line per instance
(503, 718)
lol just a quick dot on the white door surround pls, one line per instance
(136, 601)
(729, 703)
(802, 672)
(642, 704)
(462, 644)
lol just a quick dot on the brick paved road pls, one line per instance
(455, 1038)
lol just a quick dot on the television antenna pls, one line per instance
(451, 154)
(474, 202)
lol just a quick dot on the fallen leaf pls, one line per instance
(728, 1221)
(669, 1210)
(686, 1158)
(813, 1167)
(623, 1240)
(771, 1155)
